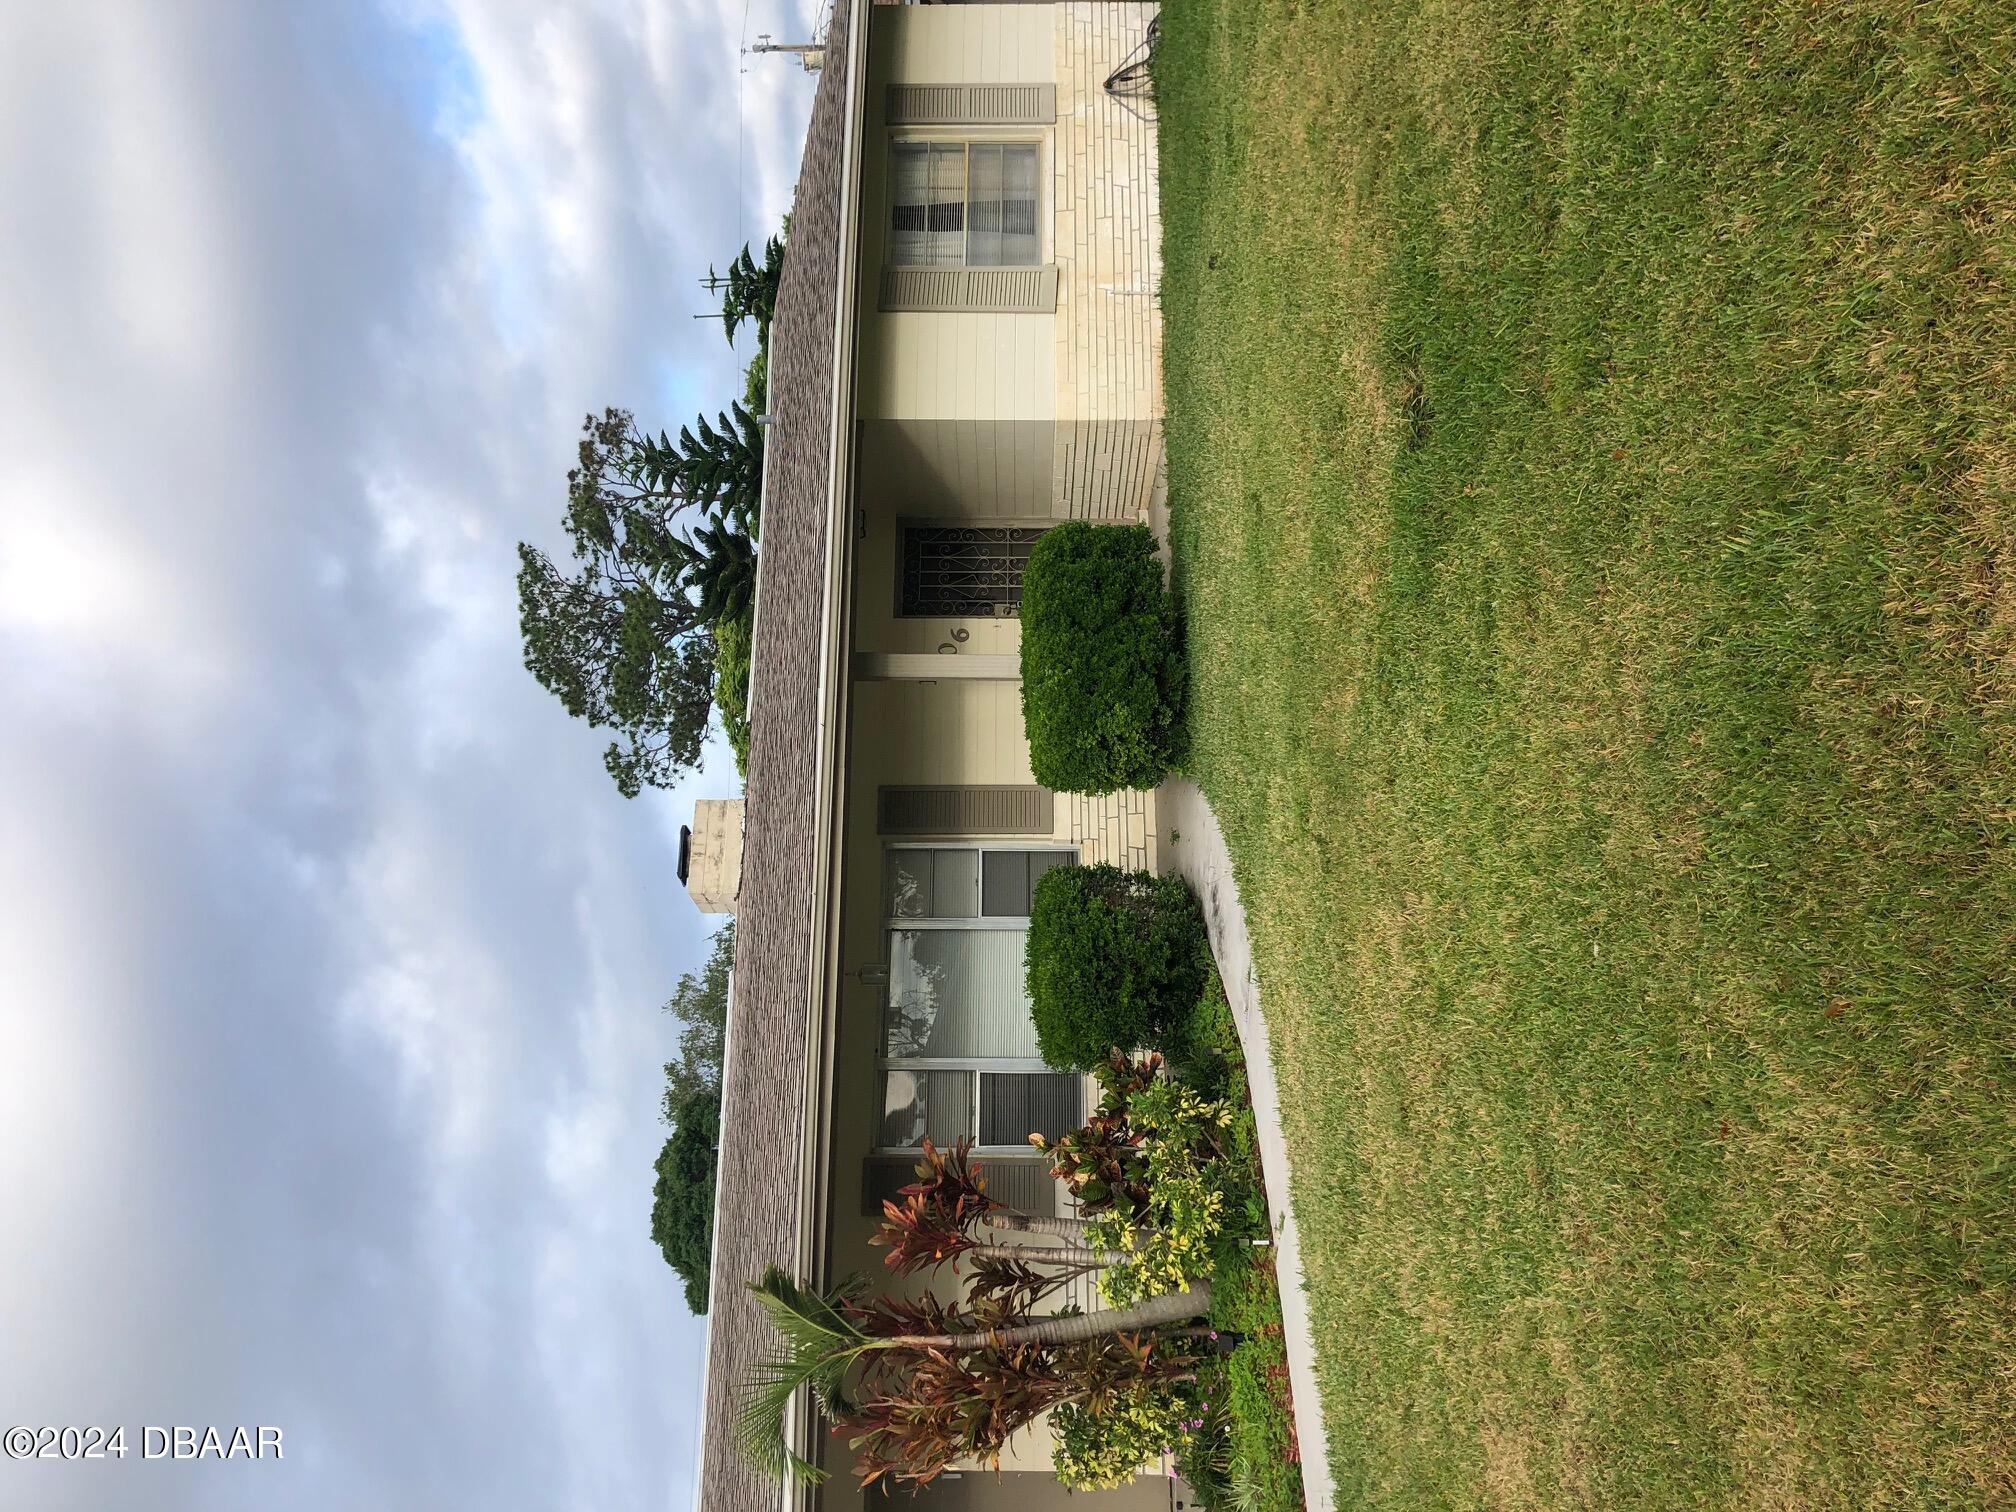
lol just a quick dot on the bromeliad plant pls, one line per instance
(919, 1385)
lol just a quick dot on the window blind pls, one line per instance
(957, 994)
(963, 204)
(1015, 1105)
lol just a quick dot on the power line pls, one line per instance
(741, 131)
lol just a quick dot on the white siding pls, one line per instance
(964, 366)
(964, 44)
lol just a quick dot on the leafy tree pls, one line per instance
(751, 292)
(621, 655)
(700, 1002)
(627, 640)
(625, 490)
(682, 1201)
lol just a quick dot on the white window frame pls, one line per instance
(977, 1065)
(967, 137)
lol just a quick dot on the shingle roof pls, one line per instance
(757, 1199)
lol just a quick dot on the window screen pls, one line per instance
(933, 884)
(1017, 1104)
(1001, 206)
(920, 1105)
(962, 882)
(954, 204)
(927, 187)
(957, 993)
(1008, 880)
(958, 1053)
(1011, 1105)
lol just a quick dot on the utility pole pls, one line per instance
(713, 283)
(811, 54)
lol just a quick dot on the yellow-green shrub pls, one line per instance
(1101, 1446)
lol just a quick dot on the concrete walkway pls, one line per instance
(1193, 846)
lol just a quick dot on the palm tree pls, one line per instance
(939, 1381)
(824, 1341)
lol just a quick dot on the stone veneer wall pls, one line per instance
(1118, 827)
(1109, 257)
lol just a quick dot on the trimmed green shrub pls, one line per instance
(1115, 958)
(1103, 673)
(731, 684)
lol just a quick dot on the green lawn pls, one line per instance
(1593, 474)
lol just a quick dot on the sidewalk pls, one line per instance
(1193, 846)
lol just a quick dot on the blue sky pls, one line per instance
(330, 959)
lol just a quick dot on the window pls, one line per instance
(958, 1051)
(963, 204)
(939, 1106)
(964, 572)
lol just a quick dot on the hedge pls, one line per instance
(1103, 673)
(1114, 958)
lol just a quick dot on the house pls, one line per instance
(966, 349)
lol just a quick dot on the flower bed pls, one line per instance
(1185, 1357)
(1230, 1425)
(1250, 1458)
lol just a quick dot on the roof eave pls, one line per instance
(828, 754)
(797, 1495)
(833, 661)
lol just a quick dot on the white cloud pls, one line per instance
(168, 263)
(426, 986)
(61, 573)
(54, 1071)
(329, 933)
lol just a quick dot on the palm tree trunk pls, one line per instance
(1156, 1312)
(1043, 1254)
(1029, 1223)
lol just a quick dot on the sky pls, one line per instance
(330, 957)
